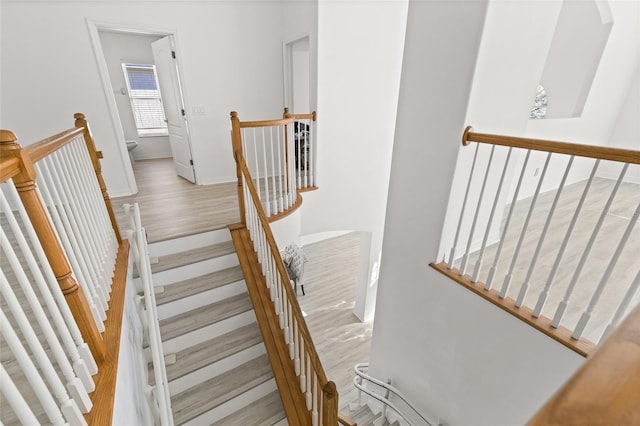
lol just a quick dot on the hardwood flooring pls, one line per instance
(171, 206)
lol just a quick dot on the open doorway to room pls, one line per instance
(142, 85)
(297, 75)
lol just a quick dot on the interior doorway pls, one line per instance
(119, 49)
(297, 75)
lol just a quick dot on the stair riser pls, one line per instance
(209, 332)
(163, 248)
(235, 404)
(201, 299)
(193, 270)
(195, 378)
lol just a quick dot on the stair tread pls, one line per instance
(199, 284)
(213, 350)
(203, 316)
(211, 393)
(187, 257)
(266, 411)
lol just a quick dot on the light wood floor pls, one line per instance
(172, 207)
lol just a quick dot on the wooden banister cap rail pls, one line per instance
(581, 150)
(606, 389)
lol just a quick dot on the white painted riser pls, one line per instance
(192, 379)
(209, 332)
(193, 270)
(201, 299)
(190, 242)
(235, 404)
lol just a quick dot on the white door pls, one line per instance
(168, 79)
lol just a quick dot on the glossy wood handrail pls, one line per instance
(561, 334)
(329, 392)
(606, 388)
(310, 116)
(48, 146)
(25, 183)
(590, 151)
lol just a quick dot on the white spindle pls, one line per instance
(623, 306)
(53, 412)
(15, 399)
(316, 391)
(514, 258)
(291, 333)
(283, 195)
(75, 386)
(292, 167)
(465, 257)
(80, 367)
(452, 256)
(85, 233)
(277, 196)
(485, 239)
(77, 195)
(257, 163)
(586, 315)
(585, 253)
(312, 146)
(516, 193)
(525, 285)
(72, 237)
(267, 202)
(563, 246)
(303, 375)
(309, 378)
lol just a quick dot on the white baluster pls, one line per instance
(465, 257)
(309, 389)
(296, 347)
(257, 163)
(292, 167)
(586, 315)
(485, 239)
(312, 148)
(68, 407)
(525, 285)
(281, 189)
(462, 210)
(72, 236)
(562, 306)
(316, 393)
(563, 246)
(303, 375)
(492, 270)
(79, 366)
(514, 258)
(623, 306)
(292, 344)
(267, 203)
(15, 400)
(277, 195)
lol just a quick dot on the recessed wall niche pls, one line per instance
(578, 42)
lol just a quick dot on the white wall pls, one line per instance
(453, 354)
(122, 48)
(357, 96)
(230, 52)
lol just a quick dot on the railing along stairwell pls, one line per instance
(308, 397)
(562, 285)
(63, 278)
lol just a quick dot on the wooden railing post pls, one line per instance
(329, 404)
(236, 144)
(25, 183)
(95, 155)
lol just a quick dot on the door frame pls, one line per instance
(94, 27)
(287, 66)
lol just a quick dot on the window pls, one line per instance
(146, 102)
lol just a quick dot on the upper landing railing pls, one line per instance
(280, 157)
(544, 257)
(63, 277)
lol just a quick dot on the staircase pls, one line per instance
(217, 366)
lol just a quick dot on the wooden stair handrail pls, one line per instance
(581, 150)
(329, 392)
(606, 388)
(310, 116)
(25, 183)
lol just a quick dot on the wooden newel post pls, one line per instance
(95, 155)
(25, 183)
(236, 145)
(329, 404)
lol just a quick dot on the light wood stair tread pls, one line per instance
(266, 411)
(213, 350)
(198, 284)
(203, 316)
(187, 257)
(218, 390)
